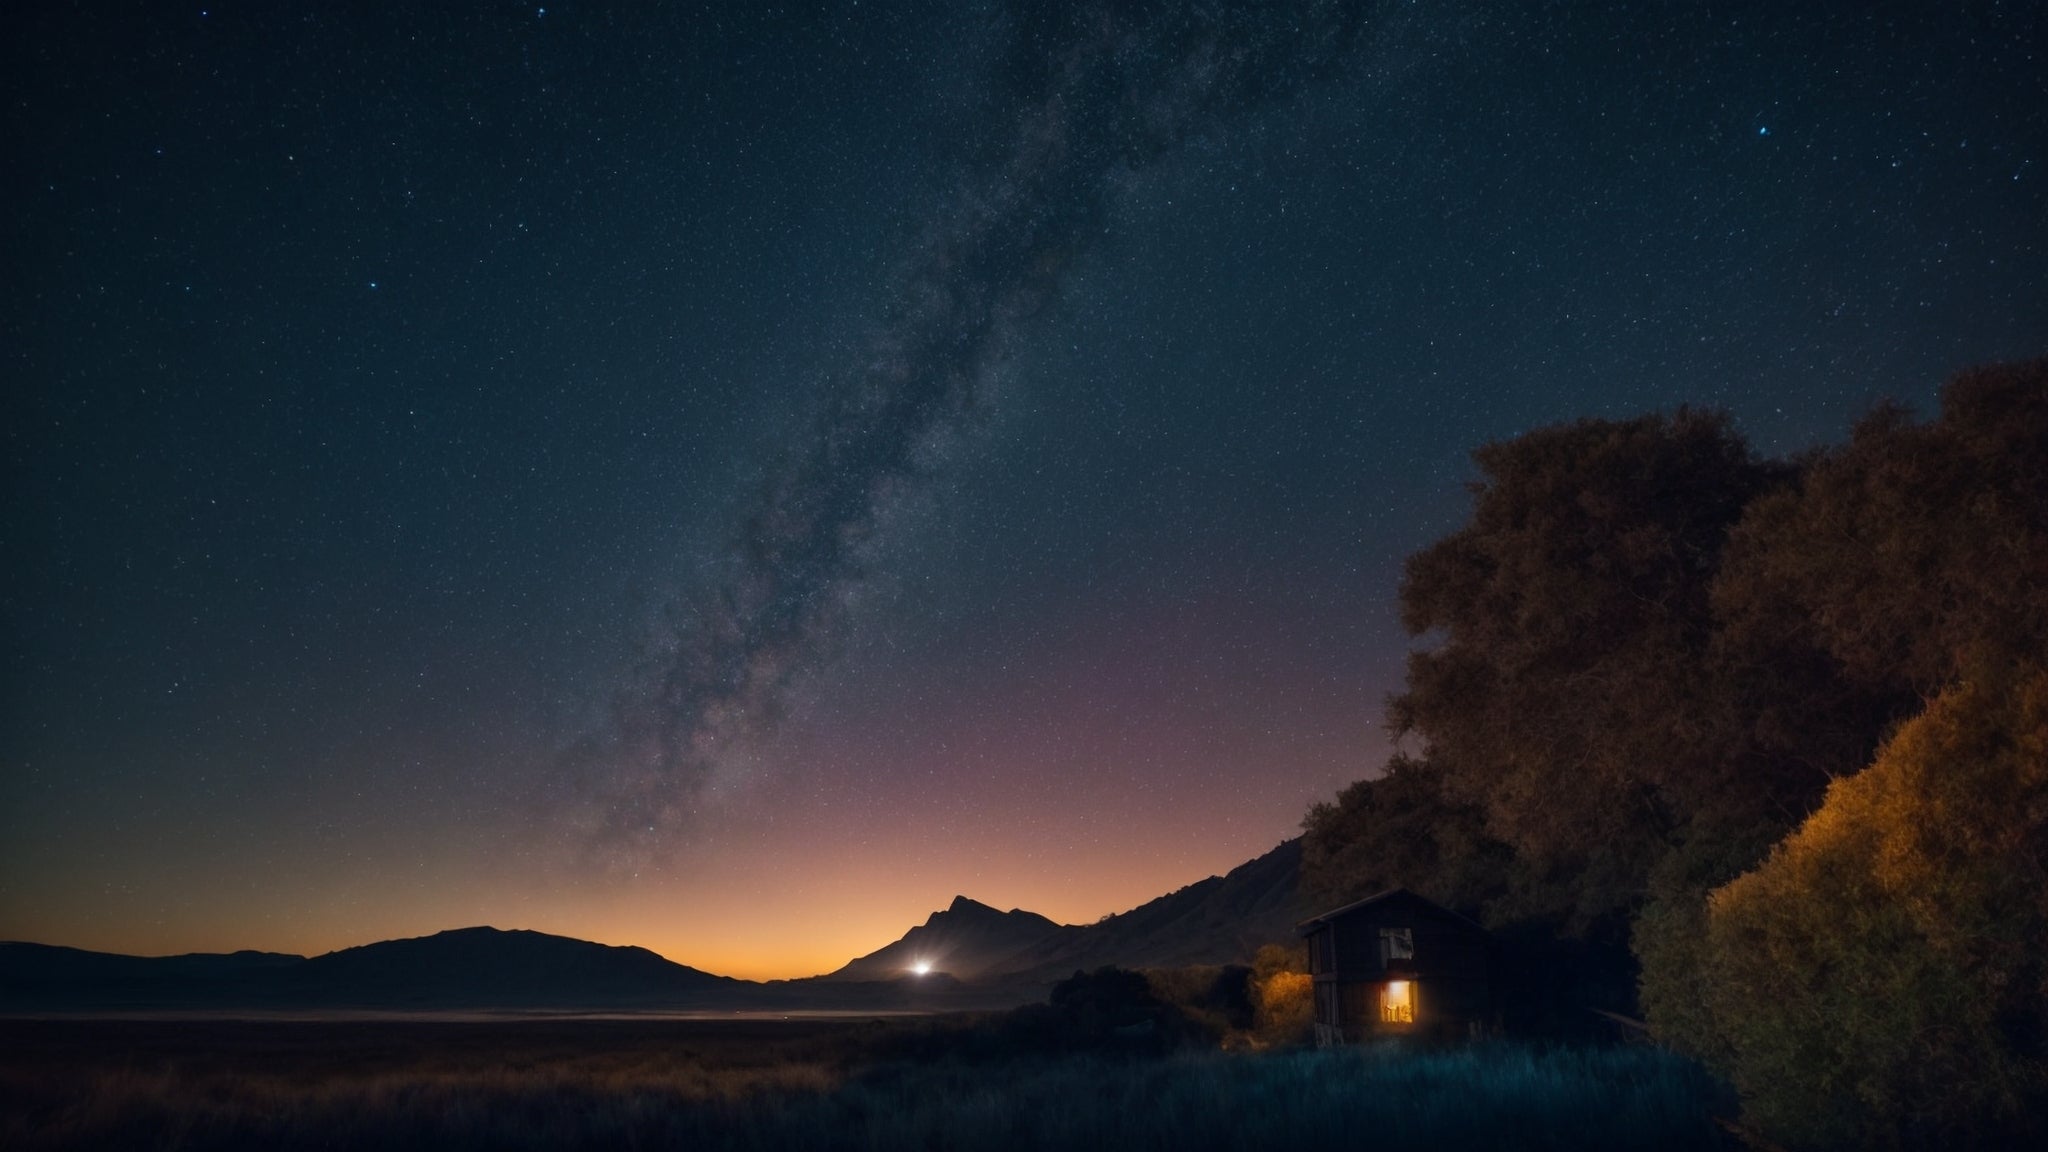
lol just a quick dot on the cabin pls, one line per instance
(1396, 964)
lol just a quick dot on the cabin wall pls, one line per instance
(1450, 971)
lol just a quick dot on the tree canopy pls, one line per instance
(1649, 655)
(1573, 731)
(1913, 549)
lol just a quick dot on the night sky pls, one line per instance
(728, 478)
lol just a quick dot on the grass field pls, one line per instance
(802, 1084)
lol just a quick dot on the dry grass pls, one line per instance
(706, 1085)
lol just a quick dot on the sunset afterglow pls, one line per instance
(1023, 574)
(727, 486)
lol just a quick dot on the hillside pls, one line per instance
(483, 967)
(463, 968)
(968, 941)
(975, 956)
(34, 976)
(1220, 920)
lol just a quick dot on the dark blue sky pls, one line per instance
(377, 380)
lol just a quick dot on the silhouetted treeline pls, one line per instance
(1655, 655)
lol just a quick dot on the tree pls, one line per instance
(1653, 653)
(1572, 702)
(1915, 548)
(1844, 600)
(1398, 830)
(1881, 980)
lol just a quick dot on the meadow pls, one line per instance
(738, 1084)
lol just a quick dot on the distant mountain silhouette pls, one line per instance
(463, 968)
(487, 967)
(967, 941)
(1221, 920)
(43, 975)
(979, 957)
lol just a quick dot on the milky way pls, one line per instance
(1082, 96)
(1034, 403)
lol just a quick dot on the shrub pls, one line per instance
(1283, 1001)
(1215, 999)
(1879, 981)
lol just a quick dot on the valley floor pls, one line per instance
(759, 1084)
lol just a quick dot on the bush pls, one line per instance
(1880, 981)
(1283, 1001)
(1215, 999)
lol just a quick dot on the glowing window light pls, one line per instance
(1397, 1003)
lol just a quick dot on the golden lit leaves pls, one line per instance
(1877, 974)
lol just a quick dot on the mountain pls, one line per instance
(978, 957)
(45, 975)
(1220, 920)
(464, 968)
(967, 941)
(488, 967)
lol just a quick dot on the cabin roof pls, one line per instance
(1390, 895)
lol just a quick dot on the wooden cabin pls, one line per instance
(1399, 965)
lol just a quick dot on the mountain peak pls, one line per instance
(1220, 920)
(962, 940)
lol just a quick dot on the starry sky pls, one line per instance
(727, 478)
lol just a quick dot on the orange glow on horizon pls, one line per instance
(774, 916)
(1035, 804)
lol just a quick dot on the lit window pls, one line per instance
(1397, 944)
(1397, 1003)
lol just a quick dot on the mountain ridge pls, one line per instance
(456, 968)
(1218, 920)
(966, 940)
(968, 954)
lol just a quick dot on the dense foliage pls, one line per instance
(1283, 998)
(1651, 653)
(1578, 729)
(1880, 978)
(1914, 549)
